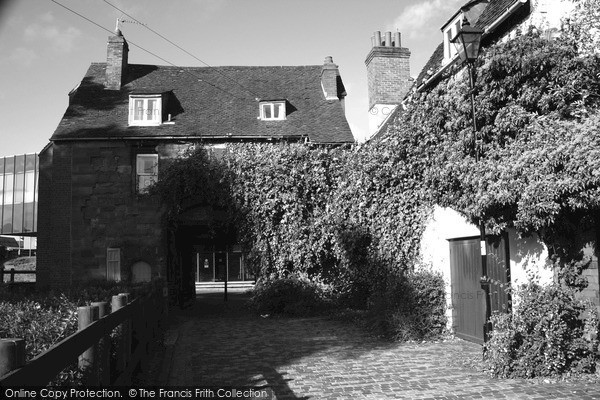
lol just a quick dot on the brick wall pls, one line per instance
(116, 61)
(388, 75)
(54, 217)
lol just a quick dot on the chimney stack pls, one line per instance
(116, 61)
(331, 81)
(388, 75)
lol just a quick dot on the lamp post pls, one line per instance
(467, 41)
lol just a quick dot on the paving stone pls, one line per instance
(218, 344)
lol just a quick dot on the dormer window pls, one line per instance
(145, 110)
(272, 110)
(450, 31)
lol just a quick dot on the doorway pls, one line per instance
(468, 298)
(214, 264)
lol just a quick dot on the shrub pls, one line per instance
(294, 295)
(549, 333)
(410, 307)
(40, 325)
(44, 318)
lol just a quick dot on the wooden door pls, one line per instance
(468, 298)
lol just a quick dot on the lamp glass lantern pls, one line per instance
(467, 41)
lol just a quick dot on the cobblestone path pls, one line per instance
(212, 344)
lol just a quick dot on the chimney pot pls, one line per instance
(388, 77)
(388, 39)
(397, 42)
(377, 38)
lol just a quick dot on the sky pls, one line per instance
(46, 50)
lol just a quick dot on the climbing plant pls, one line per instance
(537, 113)
(342, 214)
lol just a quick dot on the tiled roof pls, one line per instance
(433, 64)
(212, 102)
(491, 13)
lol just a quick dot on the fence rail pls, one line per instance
(135, 325)
(12, 272)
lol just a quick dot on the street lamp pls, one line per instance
(467, 41)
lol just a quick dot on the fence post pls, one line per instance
(165, 306)
(103, 347)
(128, 331)
(88, 360)
(12, 354)
(118, 302)
(12, 275)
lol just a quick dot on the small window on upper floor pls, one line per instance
(272, 110)
(449, 32)
(145, 110)
(146, 171)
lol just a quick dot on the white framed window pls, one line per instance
(272, 111)
(145, 110)
(449, 32)
(146, 171)
(113, 264)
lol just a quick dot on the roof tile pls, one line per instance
(212, 102)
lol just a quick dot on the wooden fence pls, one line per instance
(12, 274)
(132, 324)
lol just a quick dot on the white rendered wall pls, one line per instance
(528, 256)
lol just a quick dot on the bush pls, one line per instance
(410, 307)
(294, 296)
(44, 318)
(40, 325)
(549, 333)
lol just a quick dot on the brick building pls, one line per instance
(123, 122)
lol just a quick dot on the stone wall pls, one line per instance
(89, 203)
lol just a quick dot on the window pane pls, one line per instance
(9, 166)
(19, 163)
(7, 219)
(19, 184)
(267, 111)
(281, 112)
(276, 111)
(29, 186)
(8, 188)
(147, 164)
(113, 264)
(18, 218)
(29, 210)
(144, 182)
(30, 162)
(138, 109)
(151, 110)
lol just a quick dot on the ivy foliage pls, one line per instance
(537, 117)
(348, 215)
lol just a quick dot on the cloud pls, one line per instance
(60, 39)
(428, 15)
(23, 56)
